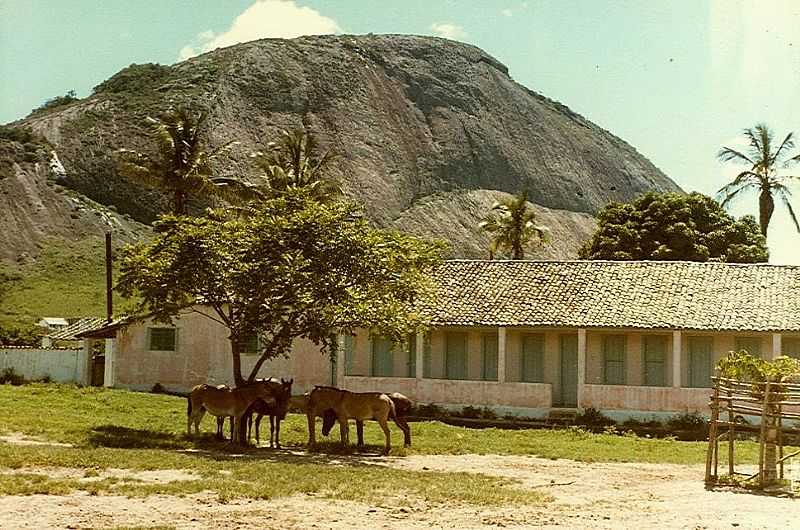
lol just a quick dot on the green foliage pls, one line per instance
(297, 268)
(23, 135)
(674, 227)
(181, 165)
(58, 101)
(763, 159)
(9, 376)
(591, 417)
(743, 366)
(135, 78)
(512, 225)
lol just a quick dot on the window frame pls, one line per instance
(690, 354)
(539, 364)
(174, 331)
(663, 362)
(621, 362)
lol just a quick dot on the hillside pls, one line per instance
(427, 133)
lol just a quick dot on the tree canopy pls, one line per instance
(764, 160)
(295, 268)
(512, 225)
(674, 226)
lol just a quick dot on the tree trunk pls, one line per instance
(237, 363)
(766, 205)
(180, 203)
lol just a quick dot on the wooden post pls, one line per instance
(677, 348)
(731, 432)
(712, 434)
(763, 435)
(501, 355)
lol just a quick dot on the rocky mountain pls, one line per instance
(427, 133)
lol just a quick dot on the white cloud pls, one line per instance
(265, 18)
(448, 30)
(507, 12)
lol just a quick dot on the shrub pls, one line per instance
(428, 411)
(10, 376)
(135, 78)
(58, 101)
(592, 417)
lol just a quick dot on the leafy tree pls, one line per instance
(764, 160)
(291, 163)
(674, 226)
(296, 268)
(58, 101)
(181, 165)
(512, 225)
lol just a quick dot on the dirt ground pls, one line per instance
(586, 495)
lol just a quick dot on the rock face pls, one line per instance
(427, 132)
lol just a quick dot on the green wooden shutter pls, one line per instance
(790, 347)
(569, 371)
(532, 359)
(456, 355)
(349, 346)
(751, 345)
(426, 356)
(382, 357)
(614, 359)
(489, 358)
(655, 361)
(412, 356)
(701, 355)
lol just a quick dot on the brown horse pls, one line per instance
(224, 402)
(277, 412)
(346, 405)
(402, 408)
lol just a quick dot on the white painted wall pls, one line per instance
(63, 366)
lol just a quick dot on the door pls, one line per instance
(655, 360)
(700, 359)
(569, 371)
(489, 358)
(382, 357)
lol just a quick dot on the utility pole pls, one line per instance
(109, 280)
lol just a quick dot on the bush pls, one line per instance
(135, 78)
(58, 101)
(10, 376)
(592, 417)
(22, 135)
(20, 336)
(428, 411)
(692, 423)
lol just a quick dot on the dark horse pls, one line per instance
(402, 408)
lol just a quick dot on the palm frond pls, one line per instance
(786, 145)
(727, 154)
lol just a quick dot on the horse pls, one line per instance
(402, 407)
(346, 405)
(224, 402)
(276, 412)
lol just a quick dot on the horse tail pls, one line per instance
(189, 405)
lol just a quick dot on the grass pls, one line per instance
(74, 270)
(136, 431)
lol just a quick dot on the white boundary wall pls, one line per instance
(63, 366)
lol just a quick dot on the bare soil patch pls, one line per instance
(17, 438)
(599, 495)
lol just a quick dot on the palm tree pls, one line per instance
(763, 160)
(512, 225)
(180, 166)
(290, 163)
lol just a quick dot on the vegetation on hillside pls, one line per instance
(672, 227)
(58, 101)
(513, 228)
(765, 160)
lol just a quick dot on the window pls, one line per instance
(655, 360)
(162, 339)
(790, 347)
(456, 355)
(382, 357)
(349, 343)
(532, 359)
(614, 359)
(427, 357)
(489, 357)
(250, 345)
(700, 353)
(751, 345)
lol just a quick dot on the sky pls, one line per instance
(676, 79)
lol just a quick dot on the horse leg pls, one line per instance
(360, 432)
(258, 428)
(403, 424)
(344, 431)
(277, 431)
(310, 415)
(385, 428)
(221, 427)
(197, 417)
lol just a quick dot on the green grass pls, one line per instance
(74, 271)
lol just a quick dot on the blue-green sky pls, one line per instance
(676, 79)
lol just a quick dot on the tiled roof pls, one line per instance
(617, 294)
(71, 331)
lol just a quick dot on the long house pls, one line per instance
(522, 338)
